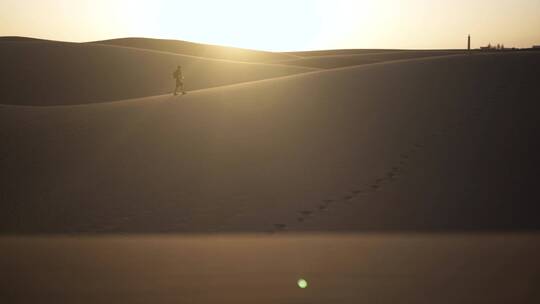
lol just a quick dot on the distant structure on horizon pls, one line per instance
(469, 43)
(536, 47)
(498, 47)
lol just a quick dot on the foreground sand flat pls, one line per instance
(363, 268)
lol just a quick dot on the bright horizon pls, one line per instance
(279, 25)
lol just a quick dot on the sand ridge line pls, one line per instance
(247, 83)
(360, 55)
(201, 57)
(324, 71)
(181, 46)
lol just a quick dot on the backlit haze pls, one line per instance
(281, 25)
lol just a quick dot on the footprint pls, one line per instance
(347, 197)
(306, 212)
(280, 226)
(375, 186)
(357, 191)
(323, 207)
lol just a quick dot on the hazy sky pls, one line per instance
(281, 24)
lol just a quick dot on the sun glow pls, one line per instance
(280, 25)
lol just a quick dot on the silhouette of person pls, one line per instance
(177, 74)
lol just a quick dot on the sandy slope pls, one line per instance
(330, 61)
(429, 144)
(199, 49)
(56, 73)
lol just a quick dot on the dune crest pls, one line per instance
(199, 49)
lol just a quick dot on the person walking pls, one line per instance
(177, 74)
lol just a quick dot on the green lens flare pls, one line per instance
(302, 283)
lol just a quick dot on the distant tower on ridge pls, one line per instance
(469, 43)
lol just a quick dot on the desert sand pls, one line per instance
(342, 60)
(435, 135)
(369, 268)
(317, 53)
(368, 178)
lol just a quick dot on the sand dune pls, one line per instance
(55, 73)
(22, 39)
(437, 144)
(199, 49)
(317, 53)
(341, 60)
